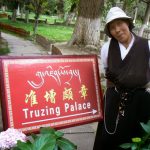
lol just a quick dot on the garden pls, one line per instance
(76, 23)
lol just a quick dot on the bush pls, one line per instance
(48, 139)
(3, 47)
(140, 143)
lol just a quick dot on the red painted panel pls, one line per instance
(50, 91)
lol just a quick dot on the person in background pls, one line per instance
(126, 60)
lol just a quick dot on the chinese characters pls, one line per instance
(31, 97)
(50, 96)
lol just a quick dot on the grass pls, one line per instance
(56, 33)
(4, 51)
(3, 47)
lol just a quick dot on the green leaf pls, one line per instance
(56, 147)
(65, 144)
(148, 123)
(136, 140)
(24, 146)
(44, 142)
(134, 146)
(148, 146)
(145, 127)
(47, 130)
(48, 146)
(15, 148)
(125, 145)
(59, 134)
(34, 136)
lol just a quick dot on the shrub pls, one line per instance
(140, 143)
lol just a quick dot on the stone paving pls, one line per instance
(83, 136)
(22, 47)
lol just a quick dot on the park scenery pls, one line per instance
(54, 101)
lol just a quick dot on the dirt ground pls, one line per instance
(76, 50)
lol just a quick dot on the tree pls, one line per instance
(26, 8)
(136, 10)
(127, 4)
(2, 5)
(38, 6)
(13, 5)
(70, 10)
(51, 9)
(87, 28)
(71, 14)
(146, 17)
(60, 8)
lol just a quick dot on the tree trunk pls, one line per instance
(136, 11)
(60, 8)
(37, 14)
(135, 15)
(18, 11)
(27, 16)
(70, 18)
(146, 19)
(22, 11)
(14, 15)
(35, 26)
(87, 28)
(3, 8)
(124, 5)
(71, 14)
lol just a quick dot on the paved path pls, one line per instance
(22, 47)
(83, 136)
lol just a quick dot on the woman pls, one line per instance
(126, 59)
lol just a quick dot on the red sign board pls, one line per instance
(50, 91)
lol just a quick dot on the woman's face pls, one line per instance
(119, 29)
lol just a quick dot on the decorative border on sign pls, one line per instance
(6, 64)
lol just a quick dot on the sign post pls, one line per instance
(50, 91)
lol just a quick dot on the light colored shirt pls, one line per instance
(123, 50)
